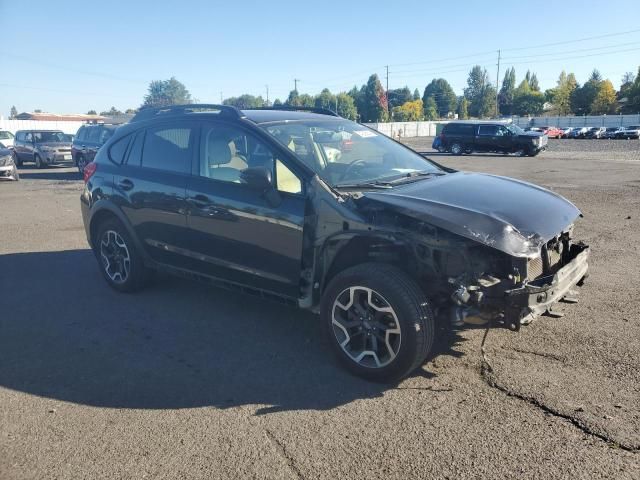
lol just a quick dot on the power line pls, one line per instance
(572, 41)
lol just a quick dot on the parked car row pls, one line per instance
(54, 147)
(610, 133)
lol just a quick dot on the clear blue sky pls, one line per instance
(71, 56)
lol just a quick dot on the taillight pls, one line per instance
(89, 170)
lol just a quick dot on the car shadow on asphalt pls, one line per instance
(65, 335)
(49, 174)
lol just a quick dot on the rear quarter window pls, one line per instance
(118, 149)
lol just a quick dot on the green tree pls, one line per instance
(606, 100)
(92, 112)
(37, 110)
(13, 113)
(527, 101)
(162, 93)
(505, 96)
(130, 111)
(444, 96)
(245, 101)
(583, 97)
(111, 113)
(416, 94)
(293, 100)
(277, 102)
(346, 106)
(430, 109)
(399, 96)
(373, 101)
(632, 105)
(625, 85)
(306, 100)
(463, 108)
(326, 99)
(533, 82)
(480, 93)
(560, 96)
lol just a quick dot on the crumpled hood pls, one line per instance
(510, 215)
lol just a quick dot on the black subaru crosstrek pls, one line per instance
(375, 238)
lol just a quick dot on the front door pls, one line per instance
(235, 233)
(493, 138)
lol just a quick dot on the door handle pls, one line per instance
(200, 201)
(125, 184)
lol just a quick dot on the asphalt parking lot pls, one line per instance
(186, 381)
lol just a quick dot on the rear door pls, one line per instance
(151, 186)
(235, 233)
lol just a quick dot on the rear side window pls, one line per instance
(93, 135)
(168, 148)
(20, 136)
(81, 134)
(118, 149)
(458, 129)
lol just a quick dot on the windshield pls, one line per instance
(46, 137)
(514, 129)
(6, 135)
(346, 153)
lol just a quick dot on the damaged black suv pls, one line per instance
(328, 215)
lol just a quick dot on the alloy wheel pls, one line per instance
(116, 260)
(366, 327)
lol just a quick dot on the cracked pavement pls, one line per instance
(186, 381)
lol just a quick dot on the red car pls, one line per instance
(551, 132)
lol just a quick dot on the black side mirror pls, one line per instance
(261, 179)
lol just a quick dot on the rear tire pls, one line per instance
(378, 321)
(120, 262)
(456, 149)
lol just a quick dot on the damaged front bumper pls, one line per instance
(536, 297)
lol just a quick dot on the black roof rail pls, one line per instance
(321, 111)
(173, 110)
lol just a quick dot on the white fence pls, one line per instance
(407, 129)
(584, 121)
(14, 125)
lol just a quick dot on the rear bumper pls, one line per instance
(536, 297)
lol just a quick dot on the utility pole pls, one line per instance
(267, 86)
(497, 84)
(386, 94)
(295, 83)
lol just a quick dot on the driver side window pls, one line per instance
(226, 151)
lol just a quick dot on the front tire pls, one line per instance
(38, 161)
(120, 262)
(378, 321)
(81, 163)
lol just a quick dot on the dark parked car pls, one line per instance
(468, 137)
(88, 141)
(379, 241)
(613, 132)
(578, 132)
(8, 169)
(595, 132)
(42, 147)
